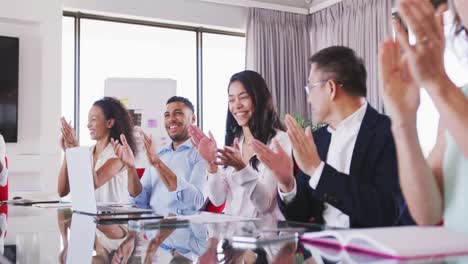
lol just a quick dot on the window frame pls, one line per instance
(198, 50)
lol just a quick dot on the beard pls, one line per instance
(183, 136)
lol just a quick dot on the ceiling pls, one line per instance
(295, 6)
(292, 3)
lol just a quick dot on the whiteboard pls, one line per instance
(146, 100)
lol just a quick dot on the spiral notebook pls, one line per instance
(411, 242)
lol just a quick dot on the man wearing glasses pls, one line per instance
(350, 165)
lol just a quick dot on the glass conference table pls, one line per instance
(51, 235)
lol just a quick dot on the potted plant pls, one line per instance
(307, 122)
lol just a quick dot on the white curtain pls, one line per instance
(278, 48)
(279, 45)
(360, 25)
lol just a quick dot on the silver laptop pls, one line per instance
(81, 182)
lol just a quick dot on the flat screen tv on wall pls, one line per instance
(9, 59)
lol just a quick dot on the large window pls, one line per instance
(68, 54)
(113, 48)
(222, 57)
(110, 49)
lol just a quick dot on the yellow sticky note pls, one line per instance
(125, 101)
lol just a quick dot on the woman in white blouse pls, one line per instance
(234, 174)
(107, 119)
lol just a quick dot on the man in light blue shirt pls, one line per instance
(174, 181)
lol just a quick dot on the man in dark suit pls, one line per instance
(348, 169)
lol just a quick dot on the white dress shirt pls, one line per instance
(340, 153)
(247, 192)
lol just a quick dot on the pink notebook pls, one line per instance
(409, 242)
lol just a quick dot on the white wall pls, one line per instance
(35, 159)
(193, 12)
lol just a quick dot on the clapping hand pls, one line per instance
(278, 161)
(400, 93)
(231, 156)
(123, 151)
(425, 60)
(206, 146)
(67, 137)
(304, 149)
(154, 244)
(125, 250)
(150, 149)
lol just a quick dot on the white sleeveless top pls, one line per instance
(455, 184)
(115, 190)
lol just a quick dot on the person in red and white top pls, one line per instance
(3, 167)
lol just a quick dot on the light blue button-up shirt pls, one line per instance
(190, 169)
(190, 242)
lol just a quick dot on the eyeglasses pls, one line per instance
(311, 86)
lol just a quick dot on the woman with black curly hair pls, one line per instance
(107, 119)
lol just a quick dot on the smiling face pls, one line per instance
(177, 119)
(240, 103)
(98, 126)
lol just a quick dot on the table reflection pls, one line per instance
(58, 236)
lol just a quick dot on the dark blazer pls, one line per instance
(370, 195)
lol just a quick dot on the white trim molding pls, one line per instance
(322, 5)
(259, 4)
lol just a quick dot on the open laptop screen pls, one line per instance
(80, 176)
